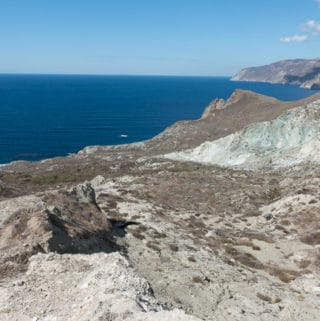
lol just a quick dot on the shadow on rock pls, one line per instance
(71, 223)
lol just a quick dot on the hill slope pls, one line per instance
(118, 233)
(290, 139)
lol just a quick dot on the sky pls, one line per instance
(149, 37)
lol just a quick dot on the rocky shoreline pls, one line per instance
(124, 233)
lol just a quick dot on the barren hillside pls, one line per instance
(124, 233)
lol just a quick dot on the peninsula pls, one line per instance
(302, 72)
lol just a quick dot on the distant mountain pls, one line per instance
(302, 72)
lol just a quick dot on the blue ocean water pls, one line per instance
(44, 116)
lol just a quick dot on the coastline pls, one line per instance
(139, 107)
(160, 212)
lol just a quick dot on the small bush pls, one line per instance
(138, 235)
(311, 238)
(284, 275)
(174, 247)
(197, 279)
(192, 259)
(153, 246)
(264, 297)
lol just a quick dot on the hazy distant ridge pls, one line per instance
(302, 72)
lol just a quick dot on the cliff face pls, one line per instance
(302, 72)
(290, 139)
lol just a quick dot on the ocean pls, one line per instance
(43, 116)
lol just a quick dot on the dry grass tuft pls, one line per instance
(284, 275)
(246, 259)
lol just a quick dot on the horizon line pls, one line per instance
(113, 75)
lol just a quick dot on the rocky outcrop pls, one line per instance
(64, 221)
(82, 287)
(289, 140)
(302, 72)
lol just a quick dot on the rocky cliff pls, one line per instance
(290, 139)
(302, 72)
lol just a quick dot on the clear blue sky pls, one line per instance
(168, 37)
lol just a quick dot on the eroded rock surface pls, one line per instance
(290, 139)
(81, 287)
